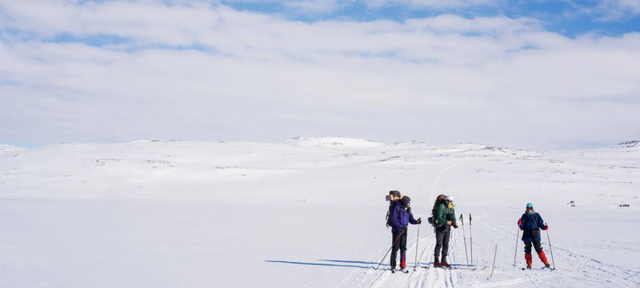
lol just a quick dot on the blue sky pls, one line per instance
(548, 74)
(568, 17)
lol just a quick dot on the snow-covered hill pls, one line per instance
(4, 148)
(308, 212)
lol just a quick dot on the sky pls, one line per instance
(534, 74)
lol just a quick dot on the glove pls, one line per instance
(419, 221)
(546, 227)
(520, 222)
(455, 225)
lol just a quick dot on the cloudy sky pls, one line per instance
(534, 74)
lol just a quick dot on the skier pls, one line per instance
(530, 223)
(400, 217)
(443, 219)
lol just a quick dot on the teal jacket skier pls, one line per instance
(444, 217)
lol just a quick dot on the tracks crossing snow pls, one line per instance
(574, 268)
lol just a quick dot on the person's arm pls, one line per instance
(541, 223)
(521, 222)
(412, 220)
(454, 221)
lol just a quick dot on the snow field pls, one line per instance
(306, 213)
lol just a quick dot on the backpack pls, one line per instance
(432, 219)
(391, 206)
(535, 232)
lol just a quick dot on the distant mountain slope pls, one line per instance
(4, 148)
(334, 142)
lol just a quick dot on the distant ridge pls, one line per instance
(334, 142)
(4, 148)
(629, 144)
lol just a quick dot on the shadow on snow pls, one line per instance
(332, 263)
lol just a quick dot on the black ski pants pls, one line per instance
(536, 245)
(442, 242)
(399, 244)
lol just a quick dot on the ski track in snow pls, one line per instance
(573, 267)
(435, 182)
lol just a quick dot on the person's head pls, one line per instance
(394, 195)
(450, 201)
(530, 208)
(406, 201)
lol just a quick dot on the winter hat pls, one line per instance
(529, 205)
(405, 200)
(449, 198)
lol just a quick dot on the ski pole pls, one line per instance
(515, 254)
(551, 250)
(394, 244)
(470, 239)
(494, 261)
(466, 254)
(417, 242)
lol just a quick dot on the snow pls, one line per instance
(334, 142)
(4, 148)
(308, 212)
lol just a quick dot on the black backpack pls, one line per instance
(391, 206)
(535, 232)
(431, 219)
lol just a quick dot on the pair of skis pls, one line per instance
(405, 271)
(469, 268)
(543, 268)
(550, 250)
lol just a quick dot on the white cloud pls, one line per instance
(606, 10)
(317, 6)
(621, 6)
(494, 80)
(439, 4)
(328, 6)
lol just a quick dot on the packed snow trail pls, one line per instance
(574, 267)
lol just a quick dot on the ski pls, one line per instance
(456, 268)
(464, 268)
(543, 268)
(405, 271)
(548, 268)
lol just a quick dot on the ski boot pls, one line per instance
(444, 263)
(544, 260)
(436, 262)
(528, 257)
